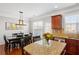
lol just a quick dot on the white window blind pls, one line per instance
(47, 27)
(37, 28)
(72, 24)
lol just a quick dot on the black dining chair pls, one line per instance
(20, 35)
(14, 34)
(36, 38)
(7, 44)
(26, 35)
(11, 43)
(16, 42)
(26, 40)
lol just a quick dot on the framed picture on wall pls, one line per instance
(12, 26)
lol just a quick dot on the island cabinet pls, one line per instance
(77, 47)
(72, 47)
(56, 22)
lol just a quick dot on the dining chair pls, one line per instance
(14, 34)
(7, 44)
(16, 42)
(20, 35)
(26, 40)
(11, 43)
(36, 38)
(25, 34)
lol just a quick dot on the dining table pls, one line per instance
(41, 48)
(14, 40)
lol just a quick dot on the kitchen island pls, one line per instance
(38, 48)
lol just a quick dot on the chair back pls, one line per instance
(26, 40)
(25, 35)
(14, 34)
(36, 38)
(5, 39)
(20, 35)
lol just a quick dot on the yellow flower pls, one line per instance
(47, 35)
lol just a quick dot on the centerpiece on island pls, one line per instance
(48, 36)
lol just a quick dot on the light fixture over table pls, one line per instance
(21, 21)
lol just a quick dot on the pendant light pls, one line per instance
(21, 21)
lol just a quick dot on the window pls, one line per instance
(26, 28)
(72, 24)
(37, 28)
(47, 27)
(40, 27)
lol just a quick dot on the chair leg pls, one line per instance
(14, 45)
(9, 48)
(5, 48)
(22, 45)
(22, 51)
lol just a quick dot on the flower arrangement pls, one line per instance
(48, 36)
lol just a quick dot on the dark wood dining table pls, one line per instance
(15, 40)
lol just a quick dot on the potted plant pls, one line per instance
(48, 36)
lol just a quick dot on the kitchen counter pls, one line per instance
(67, 36)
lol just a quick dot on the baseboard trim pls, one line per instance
(2, 43)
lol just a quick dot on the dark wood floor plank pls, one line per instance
(15, 51)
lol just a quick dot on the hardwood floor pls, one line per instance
(15, 51)
(2, 52)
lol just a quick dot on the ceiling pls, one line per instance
(30, 9)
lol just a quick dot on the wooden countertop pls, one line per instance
(56, 48)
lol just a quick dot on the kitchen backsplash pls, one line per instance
(60, 33)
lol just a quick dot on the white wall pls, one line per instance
(65, 11)
(69, 10)
(3, 31)
(44, 20)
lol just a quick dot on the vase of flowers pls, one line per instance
(48, 36)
